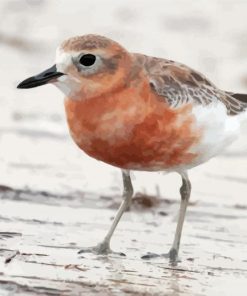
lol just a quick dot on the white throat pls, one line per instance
(68, 85)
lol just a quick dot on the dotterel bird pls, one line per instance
(138, 112)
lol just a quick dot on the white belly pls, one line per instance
(218, 128)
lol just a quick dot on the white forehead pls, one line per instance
(64, 58)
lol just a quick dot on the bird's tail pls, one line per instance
(240, 97)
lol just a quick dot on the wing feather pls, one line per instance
(179, 85)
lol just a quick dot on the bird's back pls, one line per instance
(179, 84)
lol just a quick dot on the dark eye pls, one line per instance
(87, 60)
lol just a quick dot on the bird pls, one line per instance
(141, 113)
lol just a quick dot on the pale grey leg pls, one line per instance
(185, 191)
(104, 246)
(185, 195)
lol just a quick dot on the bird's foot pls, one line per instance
(172, 255)
(100, 249)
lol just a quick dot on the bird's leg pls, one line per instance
(185, 191)
(185, 195)
(104, 246)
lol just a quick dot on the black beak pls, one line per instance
(41, 78)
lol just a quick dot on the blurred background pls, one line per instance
(36, 151)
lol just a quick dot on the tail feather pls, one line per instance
(240, 97)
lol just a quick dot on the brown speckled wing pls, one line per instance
(179, 84)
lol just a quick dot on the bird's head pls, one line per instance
(86, 66)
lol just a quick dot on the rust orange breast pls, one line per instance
(133, 129)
